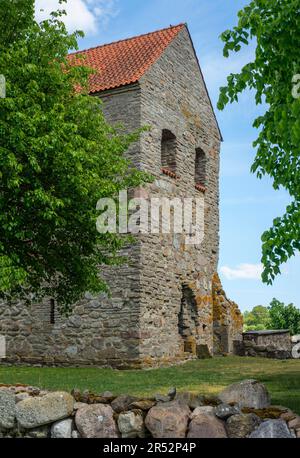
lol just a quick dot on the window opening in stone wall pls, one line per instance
(168, 151)
(188, 319)
(200, 167)
(52, 311)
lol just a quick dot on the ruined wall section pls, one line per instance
(227, 321)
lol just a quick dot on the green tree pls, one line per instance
(58, 157)
(284, 316)
(16, 17)
(257, 319)
(274, 25)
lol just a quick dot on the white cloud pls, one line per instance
(84, 15)
(104, 10)
(243, 271)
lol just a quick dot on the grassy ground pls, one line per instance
(282, 378)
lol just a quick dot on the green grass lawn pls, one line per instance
(210, 376)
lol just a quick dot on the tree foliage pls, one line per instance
(275, 27)
(276, 316)
(257, 319)
(16, 16)
(58, 157)
(284, 316)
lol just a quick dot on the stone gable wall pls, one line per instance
(174, 98)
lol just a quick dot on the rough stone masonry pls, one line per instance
(167, 304)
(241, 410)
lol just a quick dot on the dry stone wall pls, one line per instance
(242, 410)
(270, 344)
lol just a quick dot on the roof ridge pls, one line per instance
(128, 39)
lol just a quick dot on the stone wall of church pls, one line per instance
(162, 307)
(101, 330)
(227, 321)
(174, 100)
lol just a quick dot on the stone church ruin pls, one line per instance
(167, 304)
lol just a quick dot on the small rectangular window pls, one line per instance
(168, 151)
(200, 167)
(52, 311)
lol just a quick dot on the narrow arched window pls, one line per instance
(168, 151)
(52, 311)
(200, 167)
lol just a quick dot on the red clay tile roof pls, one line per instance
(125, 62)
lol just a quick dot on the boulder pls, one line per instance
(172, 393)
(79, 405)
(131, 424)
(36, 411)
(43, 392)
(122, 403)
(88, 397)
(206, 425)
(295, 423)
(224, 411)
(42, 432)
(168, 420)
(288, 415)
(272, 429)
(190, 399)
(277, 354)
(248, 393)
(202, 409)
(7, 409)
(143, 404)
(241, 425)
(62, 429)
(106, 397)
(203, 352)
(162, 398)
(296, 338)
(96, 420)
(21, 396)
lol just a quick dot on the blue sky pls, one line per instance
(248, 205)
